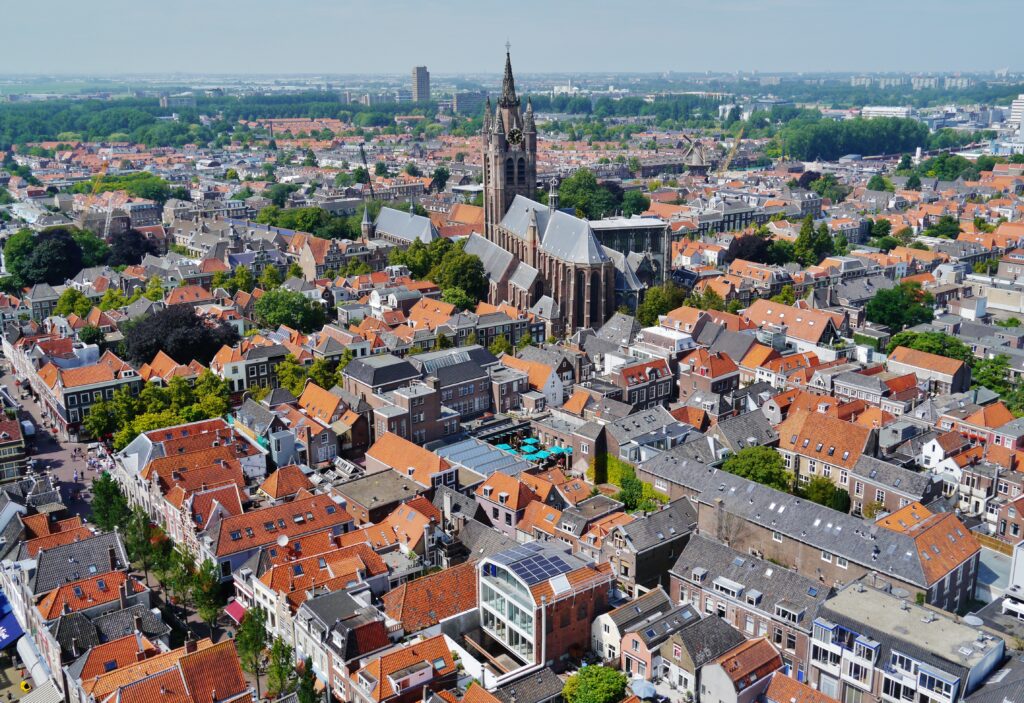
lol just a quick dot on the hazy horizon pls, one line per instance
(452, 37)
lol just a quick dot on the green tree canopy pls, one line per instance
(286, 307)
(501, 345)
(904, 306)
(595, 684)
(934, 343)
(659, 301)
(109, 506)
(761, 464)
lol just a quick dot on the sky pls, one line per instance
(547, 36)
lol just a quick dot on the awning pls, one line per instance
(32, 661)
(530, 440)
(235, 611)
(10, 630)
(506, 447)
(47, 693)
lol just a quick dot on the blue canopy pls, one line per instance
(530, 440)
(568, 450)
(556, 450)
(506, 447)
(642, 688)
(10, 630)
(541, 455)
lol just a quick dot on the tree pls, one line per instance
(291, 375)
(154, 289)
(306, 692)
(1011, 322)
(761, 464)
(881, 228)
(54, 257)
(109, 506)
(128, 248)
(90, 334)
(457, 269)
(786, 296)
(634, 202)
(295, 270)
(208, 592)
(270, 278)
(443, 342)
(287, 307)
(872, 509)
(280, 669)
(582, 192)
(659, 301)
(179, 333)
(595, 684)
(823, 492)
(500, 346)
(903, 306)
(708, 299)
(380, 169)
(913, 182)
(524, 341)
(934, 343)
(242, 280)
(74, 301)
(251, 641)
(803, 247)
(992, 373)
(139, 534)
(459, 298)
(94, 250)
(880, 183)
(440, 177)
(948, 227)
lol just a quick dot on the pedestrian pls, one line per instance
(76, 475)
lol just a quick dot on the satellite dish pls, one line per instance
(282, 541)
(973, 621)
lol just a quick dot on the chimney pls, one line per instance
(213, 695)
(140, 656)
(190, 644)
(74, 647)
(137, 620)
(112, 557)
(122, 595)
(447, 513)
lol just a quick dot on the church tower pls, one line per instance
(510, 152)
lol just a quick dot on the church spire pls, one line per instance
(487, 114)
(508, 85)
(528, 125)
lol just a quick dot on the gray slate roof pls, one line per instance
(78, 560)
(675, 520)
(381, 370)
(708, 639)
(773, 583)
(540, 685)
(405, 225)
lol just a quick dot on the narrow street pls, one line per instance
(55, 457)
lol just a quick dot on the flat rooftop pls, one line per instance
(924, 628)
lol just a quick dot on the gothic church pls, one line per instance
(537, 257)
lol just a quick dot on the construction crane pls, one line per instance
(732, 152)
(91, 200)
(369, 177)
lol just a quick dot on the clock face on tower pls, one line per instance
(515, 136)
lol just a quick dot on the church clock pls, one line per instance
(515, 136)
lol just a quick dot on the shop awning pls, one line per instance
(32, 661)
(235, 611)
(10, 630)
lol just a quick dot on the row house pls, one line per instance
(756, 597)
(702, 372)
(194, 445)
(229, 542)
(405, 674)
(819, 542)
(644, 384)
(815, 444)
(415, 412)
(69, 393)
(942, 374)
(285, 586)
(251, 363)
(873, 645)
(394, 453)
(642, 551)
(335, 631)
